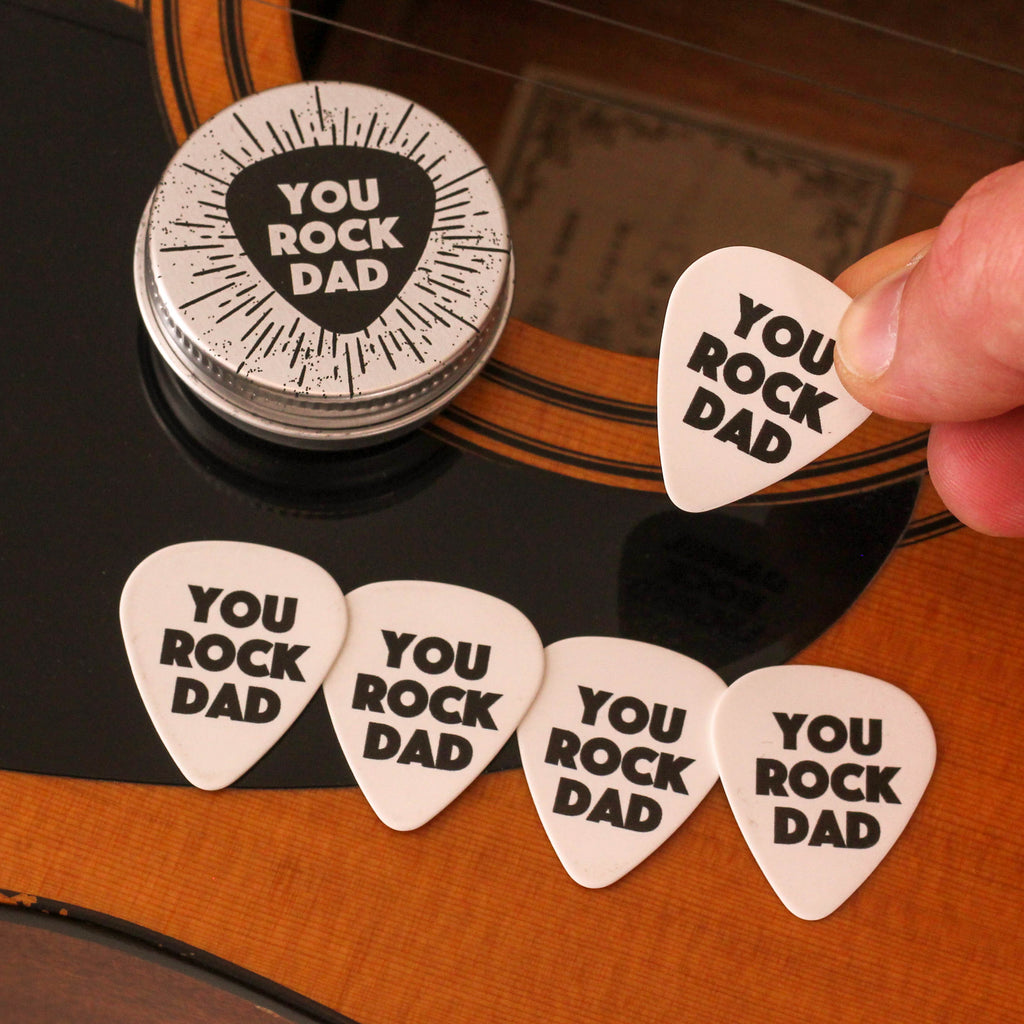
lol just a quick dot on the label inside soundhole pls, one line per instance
(325, 264)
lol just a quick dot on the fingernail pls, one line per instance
(867, 334)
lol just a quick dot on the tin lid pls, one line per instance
(325, 264)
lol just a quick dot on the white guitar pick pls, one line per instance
(432, 681)
(228, 643)
(617, 751)
(747, 389)
(823, 769)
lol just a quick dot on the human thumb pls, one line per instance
(942, 338)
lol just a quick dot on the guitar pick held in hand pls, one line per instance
(617, 751)
(228, 643)
(747, 390)
(433, 679)
(823, 769)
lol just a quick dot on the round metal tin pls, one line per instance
(325, 264)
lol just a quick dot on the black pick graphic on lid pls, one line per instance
(336, 230)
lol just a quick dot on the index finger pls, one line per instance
(882, 262)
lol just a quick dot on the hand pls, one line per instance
(936, 335)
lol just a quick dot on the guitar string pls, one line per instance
(803, 79)
(664, 37)
(903, 36)
(810, 8)
(381, 37)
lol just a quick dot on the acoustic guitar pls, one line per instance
(541, 484)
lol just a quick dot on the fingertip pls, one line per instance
(880, 263)
(868, 331)
(978, 470)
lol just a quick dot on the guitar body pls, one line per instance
(289, 881)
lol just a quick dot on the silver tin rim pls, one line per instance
(302, 419)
